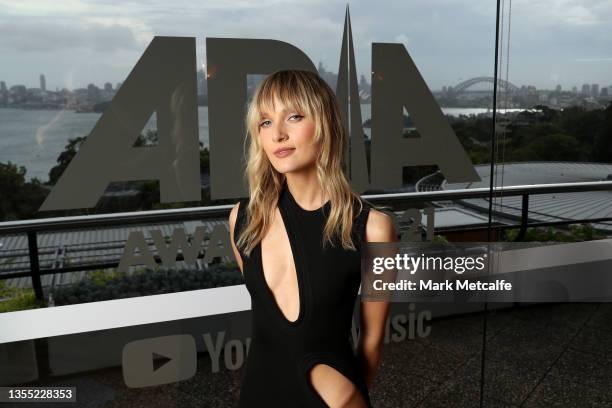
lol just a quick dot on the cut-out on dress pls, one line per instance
(282, 352)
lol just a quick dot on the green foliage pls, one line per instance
(65, 157)
(13, 299)
(542, 142)
(149, 138)
(575, 233)
(439, 239)
(18, 199)
(4, 291)
(602, 138)
(474, 133)
(102, 285)
(573, 134)
(100, 277)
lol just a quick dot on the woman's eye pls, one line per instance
(298, 117)
(264, 123)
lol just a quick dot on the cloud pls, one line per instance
(447, 39)
(594, 59)
(563, 13)
(39, 36)
(42, 7)
(403, 39)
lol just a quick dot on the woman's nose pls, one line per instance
(280, 133)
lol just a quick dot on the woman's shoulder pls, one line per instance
(241, 204)
(379, 225)
(238, 211)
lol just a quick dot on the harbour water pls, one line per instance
(35, 139)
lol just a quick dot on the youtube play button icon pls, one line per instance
(159, 360)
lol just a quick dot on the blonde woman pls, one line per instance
(297, 241)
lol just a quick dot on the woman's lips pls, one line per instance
(284, 152)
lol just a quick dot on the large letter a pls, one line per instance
(163, 81)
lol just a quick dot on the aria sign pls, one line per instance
(164, 82)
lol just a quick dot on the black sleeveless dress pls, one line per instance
(282, 352)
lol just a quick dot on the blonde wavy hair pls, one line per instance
(308, 94)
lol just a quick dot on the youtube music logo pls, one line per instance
(159, 360)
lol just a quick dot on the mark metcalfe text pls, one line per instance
(412, 264)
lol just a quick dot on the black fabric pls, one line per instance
(282, 352)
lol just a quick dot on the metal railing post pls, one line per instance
(34, 265)
(524, 218)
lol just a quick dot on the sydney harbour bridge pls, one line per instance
(464, 85)
(461, 87)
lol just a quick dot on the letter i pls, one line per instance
(387, 329)
(411, 321)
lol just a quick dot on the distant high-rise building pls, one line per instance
(604, 92)
(586, 89)
(43, 83)
(18, 92)
(558, 88)
(253, 80)
(108, 87)
(3, 94)
(574, 90)
(327, 76)
(595, 90)
(364, 85)
(93, 93)
(18, 89)
(321, 68)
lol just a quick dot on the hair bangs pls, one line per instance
(288, 91)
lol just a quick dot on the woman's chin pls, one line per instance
(286, 168)
(293, 167)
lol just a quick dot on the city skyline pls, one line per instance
(114, 86)
(552, 41)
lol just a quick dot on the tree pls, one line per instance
(18, 199)
(603, 139)
(65, 157)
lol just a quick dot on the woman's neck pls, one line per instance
(306, 190)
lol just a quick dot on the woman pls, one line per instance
(297, 241)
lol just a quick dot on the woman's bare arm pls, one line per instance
(232, 222)
(379, 228)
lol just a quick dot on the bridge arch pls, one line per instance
(462, 86)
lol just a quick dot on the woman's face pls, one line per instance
(288, 138)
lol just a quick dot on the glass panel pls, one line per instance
(553, 127)
(100, 115)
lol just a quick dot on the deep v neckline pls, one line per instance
(286, 218)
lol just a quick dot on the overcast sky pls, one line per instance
(76, 42)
